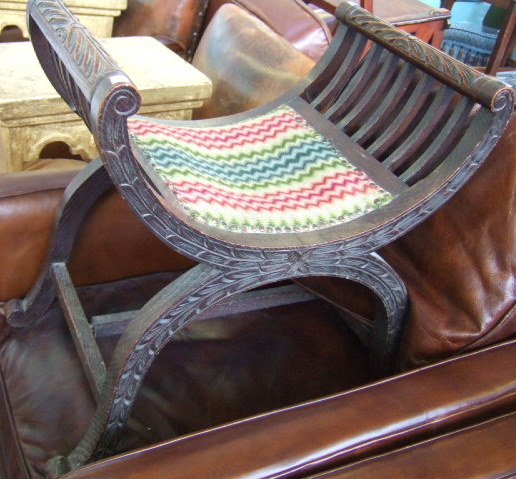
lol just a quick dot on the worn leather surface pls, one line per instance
(485, 450)
(215, 371)
(28, 202)
(174, 22)
(459, 267)
(112, 243)
(340, 429)
(292, 20)
(246, 61)
(179, 23)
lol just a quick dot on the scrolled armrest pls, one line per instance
(79, 68)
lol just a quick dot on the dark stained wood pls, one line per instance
(441, 144)
(444, 68)
(353, 88)
(80, 329)
(434, 114)
(349, 50)
(352, 151)
(82, 193)
(403, 119)
(114, 324)
(388, 110)
(372, 94)
(387, 107)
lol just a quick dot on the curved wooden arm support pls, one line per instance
(79, 197)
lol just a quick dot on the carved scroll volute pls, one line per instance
(114, 99)
(83, 73)
(486, 90)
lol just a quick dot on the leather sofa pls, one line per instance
(283, 392)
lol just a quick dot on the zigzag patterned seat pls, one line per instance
(272, 173)
(382, 132)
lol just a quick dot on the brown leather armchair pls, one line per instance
(459, 269)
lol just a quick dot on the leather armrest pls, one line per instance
(337, 430)
(484, 450)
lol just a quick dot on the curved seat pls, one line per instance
(272, 173)
(380, 134)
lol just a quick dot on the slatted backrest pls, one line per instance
(404, 102)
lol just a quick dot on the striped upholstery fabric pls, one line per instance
(271, 173)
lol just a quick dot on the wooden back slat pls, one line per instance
(335, 77)
(440, 146)
(423, 129)
(349, 94)
(481, 88)
(326, 70)
(371, 95)
(382, 115)
(404, 119)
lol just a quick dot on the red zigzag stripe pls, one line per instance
(331, 188)
(210, 139)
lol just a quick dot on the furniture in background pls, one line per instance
(413, 16)
(237, 366)
(505, 40)
(33, 116)
(96, 16)
(338, 122)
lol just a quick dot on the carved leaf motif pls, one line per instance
(80, 44)
(423, 53)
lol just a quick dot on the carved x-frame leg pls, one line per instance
(79, 197)
(191, 295)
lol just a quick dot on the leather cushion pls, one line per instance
(175, 23)
(459, 267)
(291, 19)
(111, 234)
(246, 61)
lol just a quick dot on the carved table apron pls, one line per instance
(96, 15)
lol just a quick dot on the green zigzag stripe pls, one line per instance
(289, 161)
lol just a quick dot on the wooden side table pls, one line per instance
(96, 15)
(415, 17)
(33, 115)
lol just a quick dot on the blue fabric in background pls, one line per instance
(468, 38)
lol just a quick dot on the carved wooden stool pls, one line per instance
(380, 134)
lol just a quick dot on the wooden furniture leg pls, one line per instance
(82, 193)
